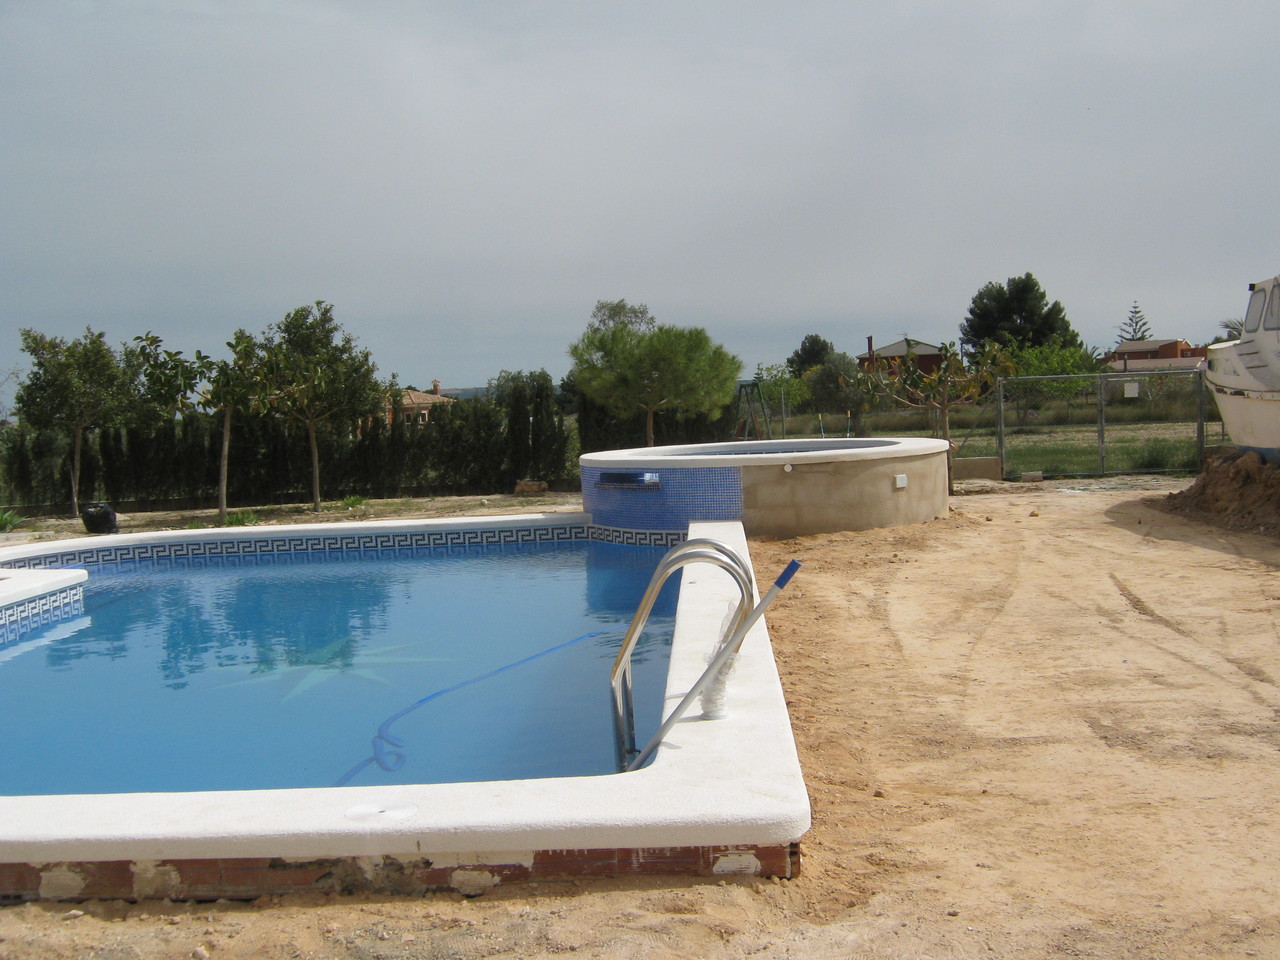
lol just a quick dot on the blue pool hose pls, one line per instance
(392, 760)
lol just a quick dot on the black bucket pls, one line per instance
(99, 518)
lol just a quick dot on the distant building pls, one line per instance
(928, 357)
(415, 405)
(1144, 356)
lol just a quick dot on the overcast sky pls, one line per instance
(463, 181)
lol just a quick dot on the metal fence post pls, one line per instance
(1000, 423)
(1102, 424)
(1200, 392)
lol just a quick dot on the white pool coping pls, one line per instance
(731, 781)
(19, 585)
(766, 452)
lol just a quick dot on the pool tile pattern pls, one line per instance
(303, 544)
(637, 538)
(678, 496)
(18, 618)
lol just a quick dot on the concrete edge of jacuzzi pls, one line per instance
(776, 488)
(720, 797)
(766, 452)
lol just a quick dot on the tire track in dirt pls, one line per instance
(1253, 680)
(977, 567)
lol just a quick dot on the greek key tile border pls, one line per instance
(196, 548)
(304, 544)
(637, 538)
(18, 618)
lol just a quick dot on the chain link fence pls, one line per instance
(1149, 422)
(1085, 425)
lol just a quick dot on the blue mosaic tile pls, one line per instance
(302, 544)
(677, 496)
(25, 615)
(637, 538)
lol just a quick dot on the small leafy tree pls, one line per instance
(315, 373)
(1135, 325)
(173, 383)
(169, 380)
(235, 386)
(75, 386)
(953, 383)
(628, 369)
(170, 385)
(838, 383)
(781, 388)
(1053, 359)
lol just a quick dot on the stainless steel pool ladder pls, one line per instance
(699, 550)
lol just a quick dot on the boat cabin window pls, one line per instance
(1272, 321)
(1257, 303)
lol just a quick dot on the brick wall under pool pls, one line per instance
(666, 498)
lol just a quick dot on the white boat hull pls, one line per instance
(1252, 420)
(1244, 375)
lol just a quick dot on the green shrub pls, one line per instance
(1164, 454)
(9, 519)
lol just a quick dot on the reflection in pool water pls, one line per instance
(280, 671)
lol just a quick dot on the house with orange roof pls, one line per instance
(927, 356)
(415, 405)
(1137, 356)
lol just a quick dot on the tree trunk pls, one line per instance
(77, 437)
(224, 457)
(945, 418)
(315, 466)
(648, 426)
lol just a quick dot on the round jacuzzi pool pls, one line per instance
(774, 487)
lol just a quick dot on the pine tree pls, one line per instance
(1015, 314)
(1135, 325)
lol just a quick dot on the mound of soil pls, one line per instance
(1238, 491)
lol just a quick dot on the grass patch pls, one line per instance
(1163, 455)
(243, 518)
(9, 519)
(1129, 448)
(1073, 450)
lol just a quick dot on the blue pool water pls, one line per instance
(230, 673)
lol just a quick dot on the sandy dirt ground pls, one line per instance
(1045, 726)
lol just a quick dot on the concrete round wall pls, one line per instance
(774, 487)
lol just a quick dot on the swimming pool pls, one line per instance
(720, 797)
(223, 672)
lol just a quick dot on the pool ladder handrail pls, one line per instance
(697, 550)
